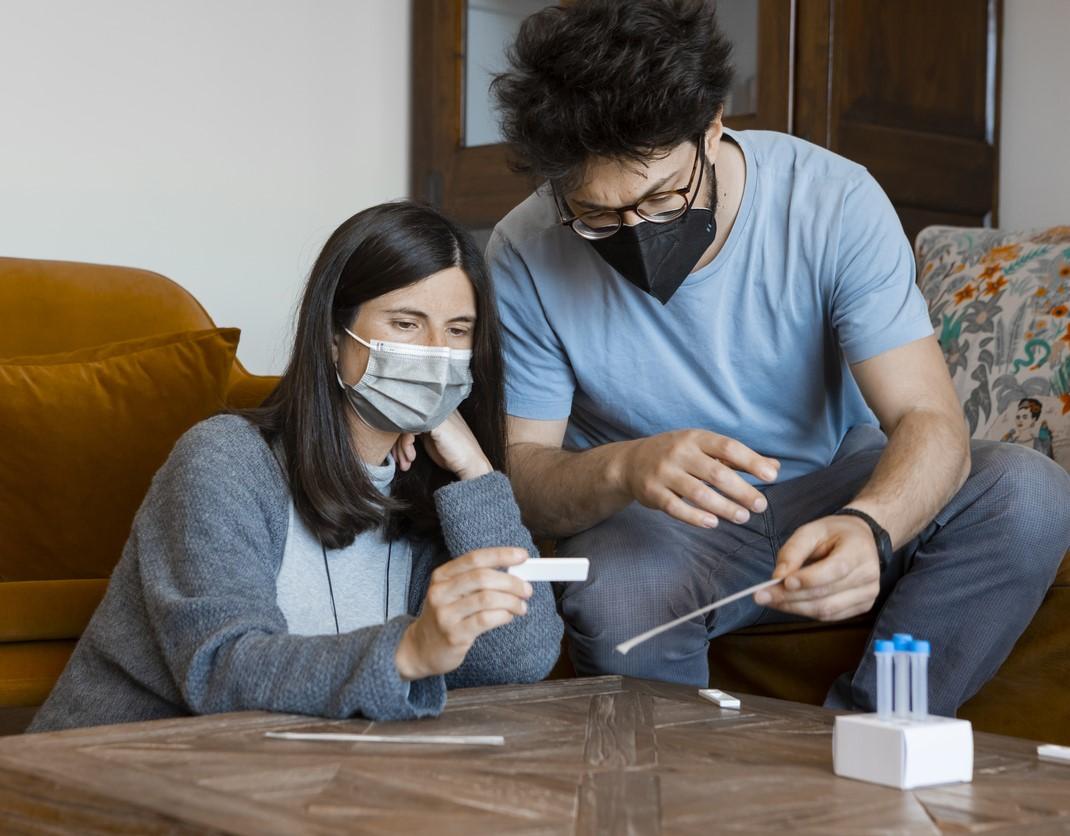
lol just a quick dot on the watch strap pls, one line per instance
(880, 536)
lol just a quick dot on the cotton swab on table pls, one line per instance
(624, 647)
(450, 740)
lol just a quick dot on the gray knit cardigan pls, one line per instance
(190, 624)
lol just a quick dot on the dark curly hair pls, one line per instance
(610, 78)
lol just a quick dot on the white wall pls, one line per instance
(1035, 137)
(216, 141)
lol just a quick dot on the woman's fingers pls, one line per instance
(405, 450)
(484, 600)
(476, 625)
(444, 593)
(477, 579)
(500, 558)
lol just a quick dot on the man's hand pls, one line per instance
(691, 475)
(830, 568)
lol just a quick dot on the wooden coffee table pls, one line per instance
(604, 755)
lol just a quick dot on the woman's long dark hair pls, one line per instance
(376, 251)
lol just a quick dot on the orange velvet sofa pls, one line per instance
(53, 307)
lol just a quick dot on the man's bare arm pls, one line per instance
(925, 463)
(562, 492)
(928, 454)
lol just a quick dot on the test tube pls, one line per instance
(919, 679)
(883, 650)
(901, 674)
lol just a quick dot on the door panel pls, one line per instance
(910, 93)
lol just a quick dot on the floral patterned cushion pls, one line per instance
(1000, 304)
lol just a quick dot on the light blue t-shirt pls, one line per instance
(815, 274)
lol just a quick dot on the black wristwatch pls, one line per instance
(880, 536)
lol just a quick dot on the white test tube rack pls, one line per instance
(902, 745)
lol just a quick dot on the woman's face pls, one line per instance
(437, 311)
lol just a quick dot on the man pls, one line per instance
(703, 330)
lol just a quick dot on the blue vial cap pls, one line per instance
(920, 647)
(902, 641)
(883, 646)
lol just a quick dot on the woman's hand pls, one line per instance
(467, 597)
(450, 445)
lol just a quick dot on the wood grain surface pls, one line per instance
(585, 756)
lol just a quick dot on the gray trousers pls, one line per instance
(969, 583)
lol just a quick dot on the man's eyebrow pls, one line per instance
(466, 318)
(654, 189)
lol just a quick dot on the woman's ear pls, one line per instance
(334, 349)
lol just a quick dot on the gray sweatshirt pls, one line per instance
(190, 623)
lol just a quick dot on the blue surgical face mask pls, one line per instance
(409, 388)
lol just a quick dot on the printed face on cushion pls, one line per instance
(1024, 419)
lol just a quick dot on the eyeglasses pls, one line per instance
(658, 208)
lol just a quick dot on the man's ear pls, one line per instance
(714, 133)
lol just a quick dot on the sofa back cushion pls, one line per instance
(81, 435)
(1000, 304)
(56, 306)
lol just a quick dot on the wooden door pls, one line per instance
(909, 89)
(769, 23)
(470, 183)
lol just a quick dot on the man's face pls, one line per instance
(611, 183)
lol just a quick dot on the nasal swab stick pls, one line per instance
(624, 647)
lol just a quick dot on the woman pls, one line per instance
(280, 561)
